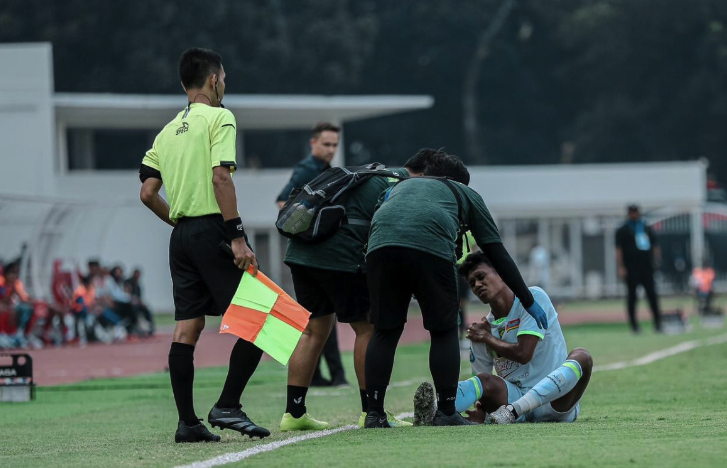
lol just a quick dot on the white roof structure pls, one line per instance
(589, 189)
(253, 112)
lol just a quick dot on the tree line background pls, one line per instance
(514, 81)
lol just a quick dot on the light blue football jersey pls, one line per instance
(549, 354)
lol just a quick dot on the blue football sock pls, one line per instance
(468, 392)
(553, 386)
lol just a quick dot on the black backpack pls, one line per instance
(314, 212)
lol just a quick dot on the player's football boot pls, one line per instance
(425, 405)
(376, 420)
(196, 433)
(393, 422)
(505, 414)
(303, 423)
(235, 419)
(456, 419)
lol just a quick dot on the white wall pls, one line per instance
(26, 119)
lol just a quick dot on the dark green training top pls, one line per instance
(346, 250)
(421, 214)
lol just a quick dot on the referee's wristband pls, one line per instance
(234, 228)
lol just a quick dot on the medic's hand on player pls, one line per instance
(539, 315)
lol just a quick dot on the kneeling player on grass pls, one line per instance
(330, 281)
(536, 381)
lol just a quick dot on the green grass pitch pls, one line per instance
(672, 412)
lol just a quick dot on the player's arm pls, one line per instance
(222, 159)
(520, 352)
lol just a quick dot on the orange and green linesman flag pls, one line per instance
(263, 314)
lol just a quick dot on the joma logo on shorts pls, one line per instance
(183, 128)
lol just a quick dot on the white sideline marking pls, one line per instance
(642, 361)
(664, 353)
(235, 457)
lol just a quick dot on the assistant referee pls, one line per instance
(194, 158)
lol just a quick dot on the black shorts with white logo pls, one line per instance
(325, 292)
(204, 277)
(397, 273)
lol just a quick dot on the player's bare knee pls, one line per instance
(489, 383)
(583, 357)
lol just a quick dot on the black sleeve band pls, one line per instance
(234, 228)
(146, 172)
(231, 165)
(506, 268)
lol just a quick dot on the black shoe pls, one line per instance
(320, 382)
(455, 419)
(374, 420)
(237, 420)
(197, 433)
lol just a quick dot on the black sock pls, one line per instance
(379, 364)
(376, 395)
(181, 372)
(444, 364)
(296, 401)
(244, 359)
(364, 400)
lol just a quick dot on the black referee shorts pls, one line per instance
(325, 292)
(397, 273)
(204, 278)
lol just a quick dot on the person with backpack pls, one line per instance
(412, 250)
(323, 146)
(326, 258)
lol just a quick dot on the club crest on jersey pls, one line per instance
(512, 325)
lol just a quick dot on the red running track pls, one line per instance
(54, 366)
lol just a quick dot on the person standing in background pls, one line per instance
(637, 256)
(323, 146)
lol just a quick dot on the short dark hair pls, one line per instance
(419, 162)
(449, 166)
(196, 65)
(324, 127)
(12, 267)
(472, 261)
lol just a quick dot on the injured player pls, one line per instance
(537, 379)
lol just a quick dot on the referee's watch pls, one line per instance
(235, 229)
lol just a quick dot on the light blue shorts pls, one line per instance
(544, 413)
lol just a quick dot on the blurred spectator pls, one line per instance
(17, 310)
(702, 280)
(122, 299)
(637, 256)
(82, 307)
(133, 287)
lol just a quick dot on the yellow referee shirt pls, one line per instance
(199, 138)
